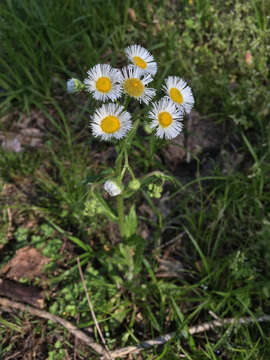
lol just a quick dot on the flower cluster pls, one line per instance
(111, 120)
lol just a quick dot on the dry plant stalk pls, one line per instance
(192, 330)
(8, 304)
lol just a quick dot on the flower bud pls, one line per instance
(74, 85)
(112, 188)
(155, 190)
(147, 129)
(92, 208)
(134, 184)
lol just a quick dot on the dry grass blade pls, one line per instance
(92, 310)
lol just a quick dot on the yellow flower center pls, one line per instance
(103, 84)
(165, 119)
(139, 62)
(176, 96)
(110, 124)
(134, 87)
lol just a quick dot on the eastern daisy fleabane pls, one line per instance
(166, 118)
(112, 188)
(179, 92)
(110, 121)
(142, 58)
(134, 84)
(104, 82)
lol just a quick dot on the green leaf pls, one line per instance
(10, 325)
(79, 242)
(120, 313)
(138, 258)
(131, 223)
(106, 208)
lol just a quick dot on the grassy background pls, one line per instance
(221, 260)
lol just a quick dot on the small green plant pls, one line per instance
(58, 353)
(118, 122)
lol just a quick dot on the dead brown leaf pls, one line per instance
(11, 142)
(16, 141)
(27, 263)
(23, 130)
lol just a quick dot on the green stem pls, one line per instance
(120, 198)
(120, 174)
(121, 215)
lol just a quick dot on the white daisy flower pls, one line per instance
(142, 58)
(110, 121)
(104, 82)
(179, 92)
(134, 84)
(166, 118)
(112, 188)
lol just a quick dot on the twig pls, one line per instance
(193, 330)
(13, 355)
(92, 310)
(213, 315)
(176, 238)
(7, 304)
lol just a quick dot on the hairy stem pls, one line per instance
(121, 215)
